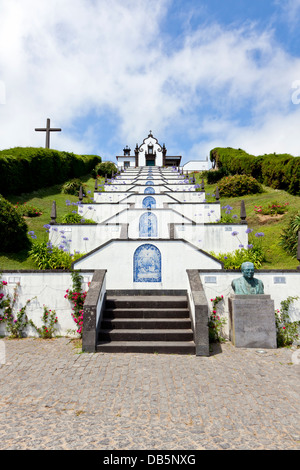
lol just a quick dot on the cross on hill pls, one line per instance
(48, 130)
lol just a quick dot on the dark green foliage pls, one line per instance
(76, 219)
(27, 169)
(277, 171)
(13, 229)
(238, 185)
(51, 258)
(104, 168)
(289, 236)
(215, 175)
(73, 186)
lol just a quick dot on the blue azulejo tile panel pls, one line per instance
(149, 183)
(149, 202)
(147, 264)
(148, 225)
(149, 190)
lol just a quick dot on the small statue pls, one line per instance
(247, 285)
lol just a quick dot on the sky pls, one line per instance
(198, 73)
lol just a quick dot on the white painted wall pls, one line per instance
(49, 288)
(120, 274)
(213, 237)
(122, 159)
(187, 196)
(107, 196)
(196, 165)
(132, 217)
(199, 212)
(75, 236)
(137, 199)
(45, 289)
(180, 186)
(100, 212)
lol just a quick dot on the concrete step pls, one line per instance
(145, 323)
(145, 335)
(160, 347)
(143, 301)
(146, 313)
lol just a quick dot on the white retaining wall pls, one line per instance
(44, 288)
(107, 196)
(100, 212)
(199, 212)
(76, 235)
(49, 288)
(214, 237)
(120, 273)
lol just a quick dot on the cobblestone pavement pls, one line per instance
(53, 397)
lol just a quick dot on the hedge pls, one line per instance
(27, 169)
(13, 228)
(279, 171)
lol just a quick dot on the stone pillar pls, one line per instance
(252, 321)
(201, 311)
(90, 326)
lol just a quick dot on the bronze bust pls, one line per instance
(247, 285)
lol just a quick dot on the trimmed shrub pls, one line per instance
(104, 168)
(76, 219)
(238, 185)
(277, 171)
(216, 175)
(27, 169)
(73, 186)
(13, 228)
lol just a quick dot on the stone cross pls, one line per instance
(48, 130)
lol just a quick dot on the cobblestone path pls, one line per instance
(53, 397)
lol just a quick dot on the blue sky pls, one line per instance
(199, 74)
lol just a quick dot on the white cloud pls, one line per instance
(290, 10)
(66, 59)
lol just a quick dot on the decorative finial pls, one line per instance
(243, 213)
(80, 193)
(53, 214)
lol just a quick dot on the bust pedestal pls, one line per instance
(252, 321)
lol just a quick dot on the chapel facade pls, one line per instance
(149, 153)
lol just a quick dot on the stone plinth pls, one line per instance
(252, 321)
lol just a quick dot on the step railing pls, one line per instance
(92, 311)
(198, 307)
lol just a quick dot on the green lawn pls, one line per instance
(277, 258)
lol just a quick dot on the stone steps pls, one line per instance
(146, 323)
